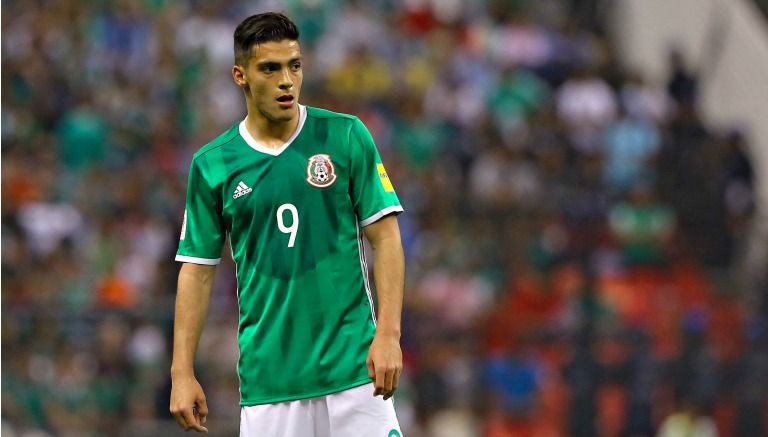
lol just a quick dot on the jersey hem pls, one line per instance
(380, 214)
(254, 402)
(196, 260)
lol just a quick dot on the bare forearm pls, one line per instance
(389, 274)
(192, 299)
(385, 359)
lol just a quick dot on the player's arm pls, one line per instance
(385, 359)
(188, 404)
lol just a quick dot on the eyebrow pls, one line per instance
(274, 63)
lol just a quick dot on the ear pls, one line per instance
(238, 74)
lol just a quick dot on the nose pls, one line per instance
(286, 81)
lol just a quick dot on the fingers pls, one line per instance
(202, 409)
(386, 380)
(389, 376)
(371, 369)
(395, 383)
(188, 404)
(190, 418)
(378, 383)
(192, 421)
(385, 363)
(179, 419)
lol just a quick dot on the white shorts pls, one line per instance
(349, 413)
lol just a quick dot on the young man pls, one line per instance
(294, 188)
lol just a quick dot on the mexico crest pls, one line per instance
(320, 171)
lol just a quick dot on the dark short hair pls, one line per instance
(261, 28)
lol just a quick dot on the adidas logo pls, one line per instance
(241, 190)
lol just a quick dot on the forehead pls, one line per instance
(276, 51)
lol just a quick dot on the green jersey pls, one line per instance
(293, 217)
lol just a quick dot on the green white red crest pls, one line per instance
(320, 171)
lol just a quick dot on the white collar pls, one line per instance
(268, 150)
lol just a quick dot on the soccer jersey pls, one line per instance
(293, 217)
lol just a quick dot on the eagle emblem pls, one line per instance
(320, 171)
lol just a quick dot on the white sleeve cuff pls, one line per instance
(195, 260)
(380, 214)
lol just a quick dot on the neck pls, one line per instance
(268, 132)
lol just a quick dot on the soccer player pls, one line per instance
(294, 188)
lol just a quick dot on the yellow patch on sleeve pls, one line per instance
(384, 178)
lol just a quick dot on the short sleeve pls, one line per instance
(202, 231)
(373, 195)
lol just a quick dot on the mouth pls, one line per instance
(285, 101)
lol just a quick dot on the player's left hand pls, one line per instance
(385, 364)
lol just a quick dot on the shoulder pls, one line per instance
(320, 113)
(217, 143)
(341, 125)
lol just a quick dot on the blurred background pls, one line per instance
(585, 191)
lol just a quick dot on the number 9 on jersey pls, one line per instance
(294, 226)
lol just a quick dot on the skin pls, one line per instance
(192, 298)
(385, 358)
(274, 70)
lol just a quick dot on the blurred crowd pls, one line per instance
(571, 230)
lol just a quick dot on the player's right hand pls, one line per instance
(188, 403)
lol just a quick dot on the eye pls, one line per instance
(296, 66)
(270, 68)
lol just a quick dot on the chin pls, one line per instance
(280, 115)
(282, 118)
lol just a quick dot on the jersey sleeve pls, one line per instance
(372, 193)
(202, 231)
